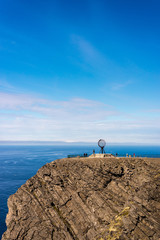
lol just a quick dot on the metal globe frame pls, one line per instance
(102, 144)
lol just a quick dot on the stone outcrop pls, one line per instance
(88, 199)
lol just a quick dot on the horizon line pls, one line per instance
(60, 142)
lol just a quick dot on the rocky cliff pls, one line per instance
(87, 198)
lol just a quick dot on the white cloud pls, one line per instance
(71, 109)
(25, 117)
(14, 101)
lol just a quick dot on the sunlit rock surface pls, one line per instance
(88, 199)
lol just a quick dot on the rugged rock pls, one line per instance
(87, 198)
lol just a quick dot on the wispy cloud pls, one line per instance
(12, 101)
(104, 69)
(30, 117)
(153, 110)
(86, 48)
(89, 54)
(26, 117)
(120, 85)
(70, 109)
(5, 86)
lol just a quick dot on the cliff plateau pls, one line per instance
(88, 199)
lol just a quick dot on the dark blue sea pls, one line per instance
(19, 163)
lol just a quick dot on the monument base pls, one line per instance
(101, 155)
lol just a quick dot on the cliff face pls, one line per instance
(88, 199)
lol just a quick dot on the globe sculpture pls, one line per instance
(101, 144)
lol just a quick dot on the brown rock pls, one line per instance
(88, 199)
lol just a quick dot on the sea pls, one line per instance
(19, 163)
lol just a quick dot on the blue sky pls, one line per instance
(80, 70)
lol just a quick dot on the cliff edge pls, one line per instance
(88, 199)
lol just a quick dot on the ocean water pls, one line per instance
(19, 163)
